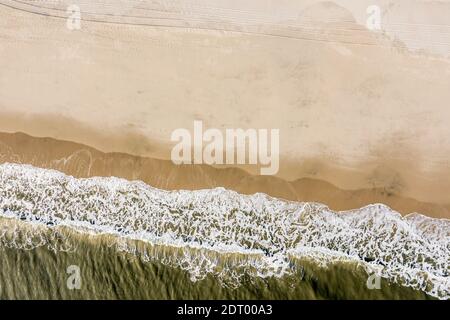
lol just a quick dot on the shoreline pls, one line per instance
(351, 201)
(83, 161)
(226, 221)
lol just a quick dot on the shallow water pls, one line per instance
(41, 273)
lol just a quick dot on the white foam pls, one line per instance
(413, 250)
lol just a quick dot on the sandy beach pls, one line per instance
(355, 108)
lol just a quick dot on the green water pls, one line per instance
(105, 273)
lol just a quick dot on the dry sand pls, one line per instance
(356, 109)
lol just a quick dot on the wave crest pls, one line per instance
(267, 233)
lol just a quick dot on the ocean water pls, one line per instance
(130, 240)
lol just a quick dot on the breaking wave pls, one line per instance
(221, 232)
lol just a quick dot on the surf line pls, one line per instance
(235, 146)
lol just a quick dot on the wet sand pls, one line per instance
(84, 161)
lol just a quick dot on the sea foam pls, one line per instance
(270, 233)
